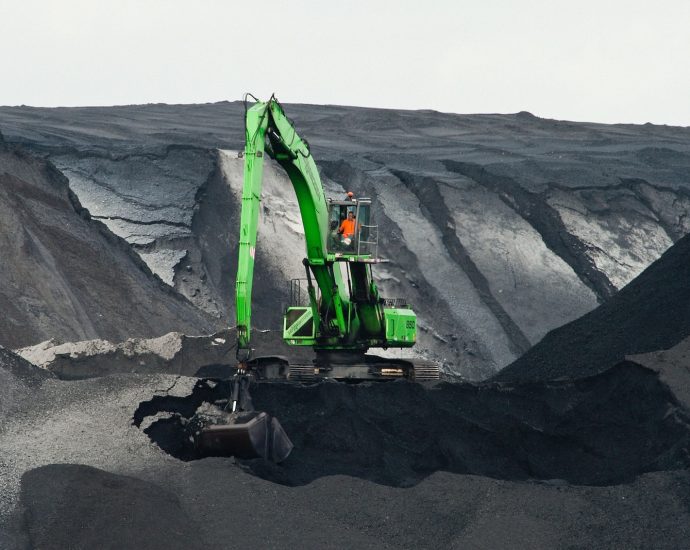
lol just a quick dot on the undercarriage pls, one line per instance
(345, 366)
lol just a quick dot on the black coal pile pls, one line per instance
(651, 313)
(16, 368)
(673, 367)
(605, 429)
(69, 277)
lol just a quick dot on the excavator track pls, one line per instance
(426, 372)
(302, 373)
(367, 367)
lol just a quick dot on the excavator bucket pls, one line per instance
(240, 431)
(248, 435)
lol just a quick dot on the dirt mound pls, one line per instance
(651, 313)
(70, 277)
(604, 429)
(79, 507)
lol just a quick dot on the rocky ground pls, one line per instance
(499, 227)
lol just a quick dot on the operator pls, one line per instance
(347, 227)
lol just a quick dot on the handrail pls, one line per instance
(374, 230)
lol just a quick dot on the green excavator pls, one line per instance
(337, 308)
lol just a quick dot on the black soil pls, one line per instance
(79, 507)
(605, 429)
(651, 313)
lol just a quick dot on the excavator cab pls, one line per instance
(350, 230)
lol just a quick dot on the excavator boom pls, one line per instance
(267, 122)
(346, 314)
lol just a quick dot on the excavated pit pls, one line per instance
(601, 430)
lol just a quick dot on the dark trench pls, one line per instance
(601, 430)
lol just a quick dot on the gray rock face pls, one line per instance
(499, 228)
(66, 275)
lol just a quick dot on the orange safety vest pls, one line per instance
(347, 227)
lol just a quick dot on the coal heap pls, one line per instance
(528, 223)
(18, 379)
(19, 369)
(651, 313)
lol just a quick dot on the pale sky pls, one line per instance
(585, 60)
